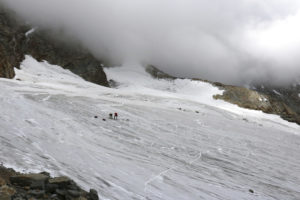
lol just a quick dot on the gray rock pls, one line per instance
(54, 197)
(50, 188)
(62, 181)
(36, 193)
(93, 194)
(36, 180)
(6, 190)
(5, 197)
(19, 198)
(74, 193)
(61, 192)
(73, 186)
(46, 174)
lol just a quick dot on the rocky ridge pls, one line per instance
(18, 39)
(14, 185)
(286, 104)
(256, 100)
(288, 94)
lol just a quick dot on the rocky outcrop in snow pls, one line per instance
(247, 98)
(18, 39)
(14, 185)
(265, 99)
(10, 49)
(288, 95)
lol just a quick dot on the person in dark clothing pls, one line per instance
(116, 116)
(110, 115)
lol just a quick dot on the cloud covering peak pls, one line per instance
(232, 41)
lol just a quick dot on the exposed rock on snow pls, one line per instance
(247, 98)
(17, 39)
(287, 106)
(285, 96)
(10, 45)
(33, 180)
(40, 186)
(244, 98)
(156, 73)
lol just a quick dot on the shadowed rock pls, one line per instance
(15, 43)
(62, 181)
(31, 180)
(58, 188)
(247, 98)
(156, 73)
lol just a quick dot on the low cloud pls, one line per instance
(231, 41)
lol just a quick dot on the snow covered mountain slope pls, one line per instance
(172, 139)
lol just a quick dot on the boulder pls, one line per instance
(2, 182)
(32, 180)
(7, 190)
(50, 188)
(93, 195)
(62, 181)
(27, 187)
(74, 193)
(36, 193)
(5, 197)
(61, 192)
(81, 198)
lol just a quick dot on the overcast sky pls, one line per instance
(231, 41)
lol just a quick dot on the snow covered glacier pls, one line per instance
(172, 139)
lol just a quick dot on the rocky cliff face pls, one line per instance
(9, 48)
(18, 39)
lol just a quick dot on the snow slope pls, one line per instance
(172, 139)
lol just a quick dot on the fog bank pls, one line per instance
(232, 41)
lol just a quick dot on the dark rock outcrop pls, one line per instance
(157, 73)
(24, 186)
(289, 95)
(9, 47)
(255, 100)
(36, 181)
(43, 46)
(282, 101)
(16, 41)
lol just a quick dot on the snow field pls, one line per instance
(207, 149)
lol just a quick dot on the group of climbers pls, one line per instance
(115, 116)
(111, 116)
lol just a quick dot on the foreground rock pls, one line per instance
(18, 39)
(14, 185)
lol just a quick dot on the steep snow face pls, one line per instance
(172, 139)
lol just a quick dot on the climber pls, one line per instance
(116, 116)
(110, 115)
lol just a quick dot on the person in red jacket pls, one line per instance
(116, 115)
